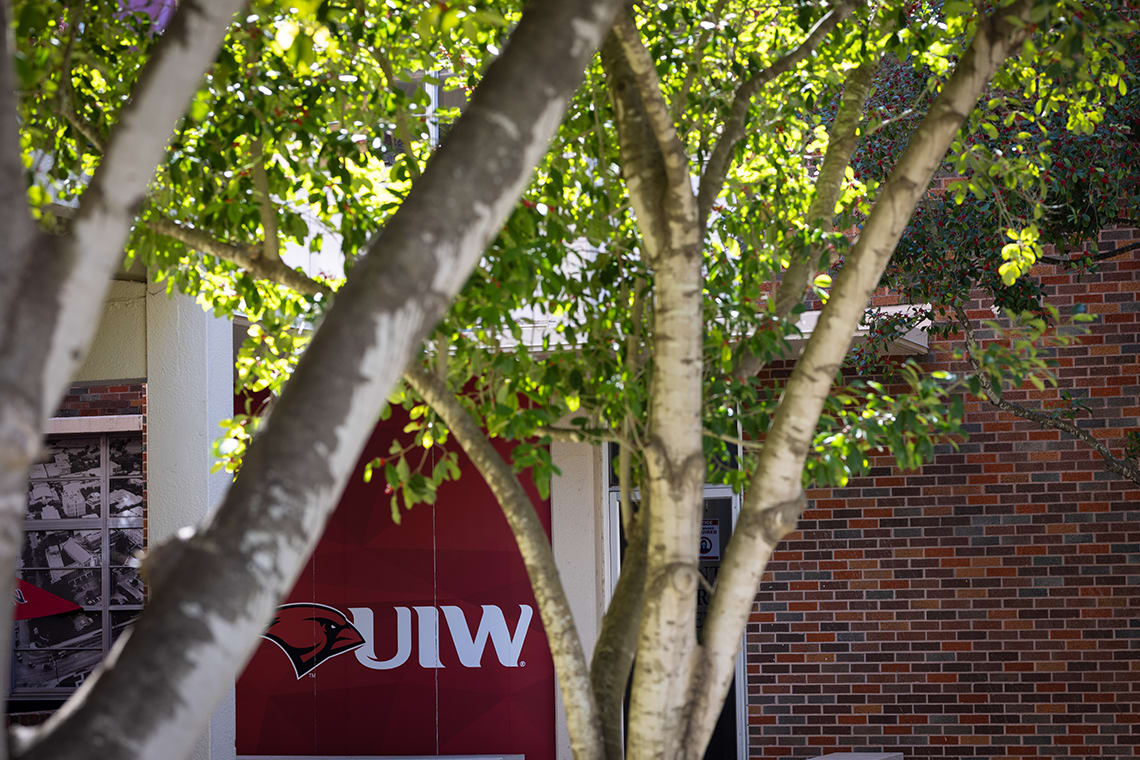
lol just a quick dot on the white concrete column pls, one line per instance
(577, 516)
(189, 391)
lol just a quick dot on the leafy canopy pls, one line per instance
(317, 116)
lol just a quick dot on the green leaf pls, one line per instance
(37, 196)
(287, 32)
(200, 106)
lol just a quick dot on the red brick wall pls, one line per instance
(96, 399)
(987, 605)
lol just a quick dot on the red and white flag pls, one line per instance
(33, 602)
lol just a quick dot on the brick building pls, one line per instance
(987, 605)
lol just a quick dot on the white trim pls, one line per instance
(535, 330)
(577, 516)
(108, 423)
(741, 672)
(914, 341)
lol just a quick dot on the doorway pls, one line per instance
(721, 508)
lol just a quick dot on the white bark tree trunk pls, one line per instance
(660, 188)
(775, 497)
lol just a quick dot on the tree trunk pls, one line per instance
(775, 497)
(657, 172)
(675, 477)
(617, 641)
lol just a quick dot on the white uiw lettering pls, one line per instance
(492, 625)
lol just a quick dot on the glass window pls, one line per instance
(83, 528)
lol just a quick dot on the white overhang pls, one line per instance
(536, 331)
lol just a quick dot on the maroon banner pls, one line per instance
(415, 639)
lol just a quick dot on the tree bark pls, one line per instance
(251, 258)
(675, 476)
(775, 496)
(270, 245)
(842, 139)
(214, 592)
(642, 166)
(19, 229)
(617, 642)
(674, 457)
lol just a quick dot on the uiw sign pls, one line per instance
(468, 646)
(312, 633)
(421, 638)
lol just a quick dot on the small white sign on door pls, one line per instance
(710, 540)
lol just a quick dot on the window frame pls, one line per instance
(102, 431)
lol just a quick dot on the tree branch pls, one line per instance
(681, 97)
(576, 435)
(776, 486)
(261, 260)
(67, 92)
(403, 128)
(67, 111)
(633, 365)
(270, 246)
(716, 171)
(617, 642)
(250, 257)
(1118, 465)
(656, 109)
(842, 139)
(625, 488)
(1073, 263)
(534, 547)
(642, 164)
(910, 113)
(158, 685)
(20, 229)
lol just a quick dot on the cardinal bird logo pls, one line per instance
(310, 633)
